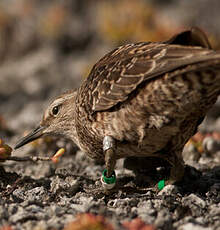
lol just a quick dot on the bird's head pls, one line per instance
(58, 119)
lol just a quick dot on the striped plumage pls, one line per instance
(150, 97)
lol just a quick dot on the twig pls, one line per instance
(29, 158)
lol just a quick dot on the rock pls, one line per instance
(146, 211)
(38, 194)
(3, 213)
(164, 219)
(211, 145)
(18, 195)
(195, 203)
(40, 225)
(192, 199)
(21, 215)
(190, 153)
(168, 190)
(214, 210)
(69, 185)
(82, 204)
(191, 226)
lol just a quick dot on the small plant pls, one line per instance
(209, 142)
(57, 155)
(137, 224)
(89, 221)
(5, 150)
(6, 228)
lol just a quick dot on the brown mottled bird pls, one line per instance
(143, 99)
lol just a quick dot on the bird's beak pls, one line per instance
(36, 133)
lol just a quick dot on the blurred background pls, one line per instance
(47, 47)
(50, 46)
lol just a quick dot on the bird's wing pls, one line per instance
(120, 72)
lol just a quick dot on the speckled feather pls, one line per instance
(119, 73)
(150, 97)
(146, 98)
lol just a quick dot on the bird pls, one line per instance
(142, 99)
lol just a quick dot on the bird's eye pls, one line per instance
(55, 110)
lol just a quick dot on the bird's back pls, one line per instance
(164, 110)
(147, 96)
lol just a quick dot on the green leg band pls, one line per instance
(109, 180)
(161, 184)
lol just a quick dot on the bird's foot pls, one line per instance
(176, 173)
(108, 183)
(171, 180)
(162, 183)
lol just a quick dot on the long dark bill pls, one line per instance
(36, 133)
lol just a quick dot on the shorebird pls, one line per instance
(142, 99)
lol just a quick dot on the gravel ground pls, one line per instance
(34, 68)
(47, 195)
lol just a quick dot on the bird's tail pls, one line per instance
(188, 89)
(204, 74)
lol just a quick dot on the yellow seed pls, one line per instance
(2, 151)
(55, 160)
(59, 153)
(5, 151)
(7, 148)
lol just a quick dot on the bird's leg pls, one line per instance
(108, 177)
(109, 151)
(176, 171)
